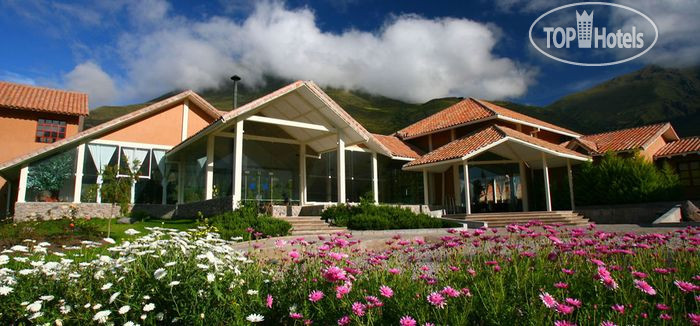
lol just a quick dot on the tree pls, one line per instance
(50, 174)
(116, 189)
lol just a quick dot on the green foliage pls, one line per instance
(618, 180)
(50, 174)
(246, 221)
(367, 216)
(63, 231)
(117, 189)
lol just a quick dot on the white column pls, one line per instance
(22, 188)
(185, 118)
(341, 168)
(467, 195)
(455, 182)
(133, 191)
(181, 182)
(375, 178)
(571, 183)
(209, 181)
(164, 185)
(545, 172)
(238, 164)
(78, 182)
(523, 186)
(9, 198)
(426, 196)
(302, 174)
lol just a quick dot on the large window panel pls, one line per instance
(322, 178)
(223, 166)
(397, 186)
(358, 175)
(52, 179)
(270, 172)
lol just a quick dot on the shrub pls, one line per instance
(618, 180)
(381, 217)
(240, 223)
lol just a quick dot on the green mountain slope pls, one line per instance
(650, 95)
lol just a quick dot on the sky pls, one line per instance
(128, 51)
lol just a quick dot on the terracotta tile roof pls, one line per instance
(469, 111)
(623, 139)
(397, 147)
(526, 118)
(682, 146)
(484, 138)
(32, 98)
(101, 129)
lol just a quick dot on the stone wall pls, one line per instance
(642, 213)
(51, 211)
(207, 208)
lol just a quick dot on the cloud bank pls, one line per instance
(410, 57)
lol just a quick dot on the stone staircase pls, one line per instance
(503, 219)
(310, 225)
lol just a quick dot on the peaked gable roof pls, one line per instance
(483, 139)
(470, 111)
(32, 98)
(397, 147)
(682, 146)
(624, 139)
(112, 125)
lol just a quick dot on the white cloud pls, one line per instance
(411, 57)
(90, 78)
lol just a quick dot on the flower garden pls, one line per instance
(522, 274)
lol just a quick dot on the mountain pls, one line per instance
(377, 113)
(652, 94)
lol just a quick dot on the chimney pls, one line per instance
(235, 79)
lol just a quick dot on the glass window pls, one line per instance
(52, 179)
(358, 175)
(689, 173)
(49, 131)
(270, 172)
(322, 178)
(397, 186)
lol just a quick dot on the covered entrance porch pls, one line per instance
(495, 170)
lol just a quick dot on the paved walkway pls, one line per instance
(377, 239)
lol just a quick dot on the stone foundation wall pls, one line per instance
(642, 213)
(52, 211)
(208, 208)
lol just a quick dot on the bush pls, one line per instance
(381, 217)
(240, 223)
(618, 180)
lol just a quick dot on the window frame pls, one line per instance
(44, 126)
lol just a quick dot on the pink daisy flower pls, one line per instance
(315, 295)
(268, 301)
(437, 300)
(563, 323)
(341, 291)
(561, 285)
(295, 315)
(394, 271)
(665, 316)
(548, 300)
(564, 309)
(386, 291)
(407, 321)
(662, 307)
(694, 318)
(450, 292)
(345, 320)
(685, 286)
(358, 309)
(644, 287)
(607, 323)
(619, 308)
(573, 302)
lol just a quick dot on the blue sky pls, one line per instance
(127, 51)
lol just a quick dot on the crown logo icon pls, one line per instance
(584, 28)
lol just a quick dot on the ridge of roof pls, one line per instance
(628, 138)
(682, 146)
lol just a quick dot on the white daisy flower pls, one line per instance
(101, 317)
(255, 318)
(124, 309)
(114, 297)
(96, 307)
(5, 290)
(174, 283)
(65, 309)
(252, 292)
(131, 232)
(159, 273)
(46, 298)
(170, 264)
(211, 277)
(35, 306)
(107, 286)
(149, 307)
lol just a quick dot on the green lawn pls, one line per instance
(61, 232)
